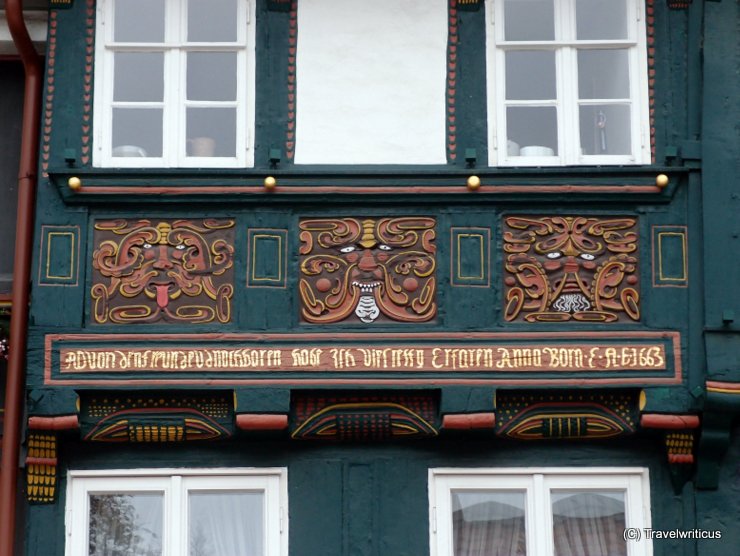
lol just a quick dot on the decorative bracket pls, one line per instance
(679, 436)
(365, 417)
(41, 461)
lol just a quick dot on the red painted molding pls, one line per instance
(262, 422)
(680, 458)
(469, 421)
(385, 190)
(661, 421)
(63, 423)
(41, 461)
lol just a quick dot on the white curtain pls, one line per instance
(225, 524)
(589, 524)
(488, 524)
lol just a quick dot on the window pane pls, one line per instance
(534, 129)
(211, 75)
(137, 132)
(603, 74)
(138, 76)
(601, 19)
(605, 129)
(488, 522)
(530, 75)
(211, 132)
(588, 523)
(225, 524)
(212, 20)
(529, 20)
(138, 21)
(124, 524)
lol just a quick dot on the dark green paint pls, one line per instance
(358, 499)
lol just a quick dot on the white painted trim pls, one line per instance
(538, 482)
(36, 23)
(174, 483)
(173, 102)
(567, 102)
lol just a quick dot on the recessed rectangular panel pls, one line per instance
(59, 253)
(670, 256)
(470, 256)
(267, 257)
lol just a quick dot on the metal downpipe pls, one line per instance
(27, 182)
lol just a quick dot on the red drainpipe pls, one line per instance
(27, 181)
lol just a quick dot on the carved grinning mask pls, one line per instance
(563, 268)
(176, 271)
(368, 269)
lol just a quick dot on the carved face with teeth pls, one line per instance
(172, 271)
(566, 267)
(370, 269)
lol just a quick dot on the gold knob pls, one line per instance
(270, 183)
(473, 183)
(661, 180)
(74, 183)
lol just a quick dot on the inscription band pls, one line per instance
(564, 357)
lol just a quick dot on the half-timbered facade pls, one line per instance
(400, 277)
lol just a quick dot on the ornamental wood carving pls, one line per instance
(363, 418)
(368, 270)
(163, 271)
(571, 268)
(126, 417)
(559, 415)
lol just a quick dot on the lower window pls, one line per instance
(540, 512)
(177, 512)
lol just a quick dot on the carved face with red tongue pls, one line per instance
(175, 271)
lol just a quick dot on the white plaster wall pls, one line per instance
(371, 82)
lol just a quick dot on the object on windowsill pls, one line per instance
(128, 151)
(202, 146)
(536, 150)
(512, 148)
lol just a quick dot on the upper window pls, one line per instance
(567, 82)
(229, 512)
(174, 83)
(538, 512)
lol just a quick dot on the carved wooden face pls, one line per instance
(178, 271)
(373, 269)
(569, 267)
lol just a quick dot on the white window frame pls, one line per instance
(174, 104)
(538, 482)
(175, 484)
(567, 102)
